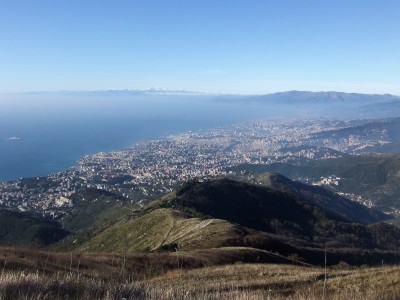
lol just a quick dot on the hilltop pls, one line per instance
(225, 213)
(326, 199)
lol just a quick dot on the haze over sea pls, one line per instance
(46, 133)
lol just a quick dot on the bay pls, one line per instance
(46, 133)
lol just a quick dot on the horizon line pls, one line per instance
(167, 91)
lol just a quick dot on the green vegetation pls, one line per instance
(373, 176)
(18, 229)
(94, 210)
(219, 239)
(220, 213)
(331, 202)
(91, 207)
(161, 229)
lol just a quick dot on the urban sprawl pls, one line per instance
(153, 168)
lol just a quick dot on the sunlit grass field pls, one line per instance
(28, 274)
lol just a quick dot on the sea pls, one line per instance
(46, 133)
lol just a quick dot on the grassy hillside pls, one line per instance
(93, 211)
(137, 266)
(273, 211)
(252, 206)
(91, 207)
(220, 213)
(41, 275)
(162, 229)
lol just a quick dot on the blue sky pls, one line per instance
(218, 46)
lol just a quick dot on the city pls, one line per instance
(150, 169)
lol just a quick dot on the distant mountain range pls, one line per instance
(287, 97)
(284, 104)
(314, 98)
(296, 97)
(322, 104)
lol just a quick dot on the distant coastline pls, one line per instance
(38, 145)
(48, 133)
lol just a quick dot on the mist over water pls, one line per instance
(42, 134)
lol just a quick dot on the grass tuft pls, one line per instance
(158, 276)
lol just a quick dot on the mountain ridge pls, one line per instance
(289, 94)
(372, 176)
(226, 213)
(293, 97)
(327, 199)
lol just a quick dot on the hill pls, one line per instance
(221, 213)
(325, 104)
(93, 207)
(162, 229)
(299, 97)
(381, 136)
(20, 229)
(93, 210)
(333, 104)
(326, 199)
(374, 176)
(278, 212)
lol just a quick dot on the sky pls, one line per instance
(244, 47)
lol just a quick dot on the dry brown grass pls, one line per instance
(27, 274)
(263, 281)
(224, 282)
